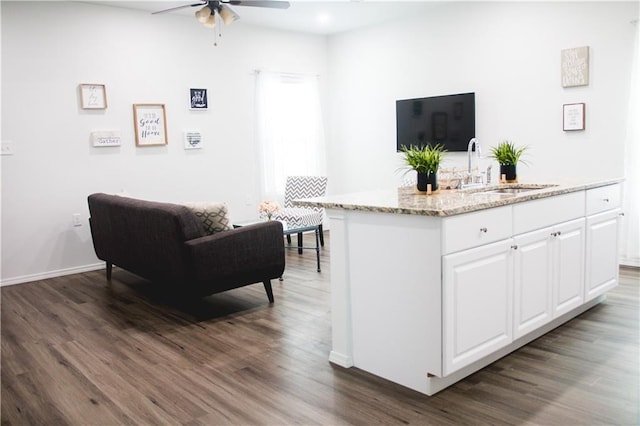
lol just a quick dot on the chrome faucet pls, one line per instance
(469, 181)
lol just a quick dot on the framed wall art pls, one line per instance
(150, 124)
(573, 116)
(105, 138)
(198, 99)
(575, 66)
(93, 96)
(192, 139)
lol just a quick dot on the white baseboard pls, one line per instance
(340, 359)
(52, 274)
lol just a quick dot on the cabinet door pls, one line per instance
(568, 259)
(532, 281)
(602, 253)
(477, 291)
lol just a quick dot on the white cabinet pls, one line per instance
(603, 217)
(477, 302)
(548, 274)
(533, 281)
(568, 266)
(602, 253)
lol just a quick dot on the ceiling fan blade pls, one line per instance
(202, 3)
(259, 3)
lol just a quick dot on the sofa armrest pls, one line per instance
(248, 254)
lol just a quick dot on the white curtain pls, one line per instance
(289, 129)
(631, 224)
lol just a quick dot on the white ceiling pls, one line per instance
(317, 17)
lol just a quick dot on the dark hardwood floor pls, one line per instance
(77, 350)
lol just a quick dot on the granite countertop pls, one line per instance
(406, 200)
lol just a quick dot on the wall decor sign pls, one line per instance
(93, 96)
(192, 139)
(105, 138)
(573, 116)
(198, 99)
(150, 122)
(575, 66)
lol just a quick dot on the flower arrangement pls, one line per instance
(268, 208)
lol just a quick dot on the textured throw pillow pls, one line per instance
(214, 216)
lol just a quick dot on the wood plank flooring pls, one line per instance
(77, 350)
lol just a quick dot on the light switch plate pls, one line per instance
(7, 148)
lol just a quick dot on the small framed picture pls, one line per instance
(93, 96)
(574, 67)
(192, 139)
(198, 99)
(150, 123)
(573, 117)
(105, 138)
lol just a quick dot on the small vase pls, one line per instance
(509, 172)
(425, 179)
(432, 179)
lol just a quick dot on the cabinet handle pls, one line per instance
(606, 200)
(514, 247)
(483, 230)
(558, 233)
(621, 214)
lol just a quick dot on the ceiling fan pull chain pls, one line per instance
(215, 30)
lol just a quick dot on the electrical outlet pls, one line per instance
(248, 200)
(75, 219)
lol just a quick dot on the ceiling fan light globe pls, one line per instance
(210, 21)
(227, 15)
(203, 14)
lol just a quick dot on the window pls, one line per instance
(289, 129)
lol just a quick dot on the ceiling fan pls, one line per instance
(212, 9)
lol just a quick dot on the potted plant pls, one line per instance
(508, 156)
(425, 161)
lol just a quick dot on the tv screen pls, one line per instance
(448, 120)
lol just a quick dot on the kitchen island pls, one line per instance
(428, 289)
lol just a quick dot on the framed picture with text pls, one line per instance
(573, 117)
(93, 96)
(150, 124)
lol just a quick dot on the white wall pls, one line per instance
(508, 53)
(49, 48)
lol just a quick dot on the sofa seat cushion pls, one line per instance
(213, 216)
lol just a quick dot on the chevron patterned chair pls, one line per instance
(298, 187)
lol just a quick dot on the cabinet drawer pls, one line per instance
(536, 214)
(475, 229)
(602, 199)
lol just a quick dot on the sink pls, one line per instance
(510, 189)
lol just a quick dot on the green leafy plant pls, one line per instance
(423, 160)
(506, 153)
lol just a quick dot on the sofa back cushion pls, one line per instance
(144, 237)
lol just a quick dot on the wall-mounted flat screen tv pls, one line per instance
(448, 120)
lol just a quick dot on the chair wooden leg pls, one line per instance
(288, 238)
(321, 235)
(299, 242)
(109, 268)
(268, 289)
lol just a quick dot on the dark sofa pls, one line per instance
(167, 244)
